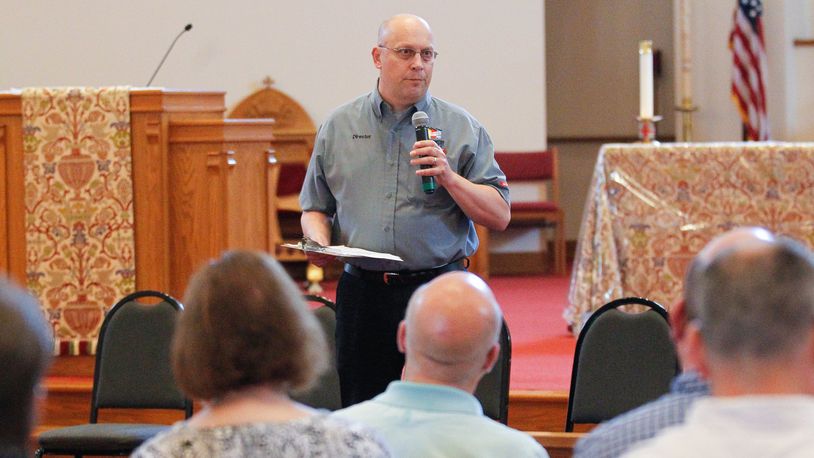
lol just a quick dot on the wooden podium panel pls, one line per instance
(151, 112)
(201, 184)
(12, 208)
(223, 181)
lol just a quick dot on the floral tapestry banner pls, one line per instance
(79, 206)
(651, 208)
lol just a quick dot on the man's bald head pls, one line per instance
(741, 239)
(451, 328)
(401, 22)
(752, 295)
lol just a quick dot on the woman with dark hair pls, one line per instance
(245, 339)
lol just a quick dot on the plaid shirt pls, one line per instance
(614, 437)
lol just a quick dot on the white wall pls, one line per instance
(789, 93)
(491, 56)
(799, 110)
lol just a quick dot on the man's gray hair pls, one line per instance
(755, 303)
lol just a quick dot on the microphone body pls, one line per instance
(186, 29)
(422, 132)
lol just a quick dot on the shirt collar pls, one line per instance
(690, 382)
(424, 396)
(421, 105)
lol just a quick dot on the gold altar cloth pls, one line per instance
(652, 207)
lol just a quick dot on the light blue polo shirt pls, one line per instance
(422, 420)
(360, 173)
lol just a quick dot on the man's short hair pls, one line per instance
(245, 323)
(754, 303)
(26, 346)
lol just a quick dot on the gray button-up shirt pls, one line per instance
(360, 174)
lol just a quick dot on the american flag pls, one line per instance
(749, 69)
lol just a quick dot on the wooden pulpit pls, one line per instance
(202, 184)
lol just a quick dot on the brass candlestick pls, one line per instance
(686, 108)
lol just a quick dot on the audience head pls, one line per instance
(450, 332)
(245, 324)
(404, 79)
(25, 353)
(750, 302)
(683, 312)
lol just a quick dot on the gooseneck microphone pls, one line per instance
(187, 28)
(422, 132)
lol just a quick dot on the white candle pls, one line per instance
(646, 79)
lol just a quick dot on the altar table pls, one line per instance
(652, 207)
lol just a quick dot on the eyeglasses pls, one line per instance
(427, 55)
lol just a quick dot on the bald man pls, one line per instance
(450, 340)
(614, 437)
(750, 333)
(364, 189)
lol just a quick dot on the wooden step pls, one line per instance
(540, 411)
(557, 444)
(67, 402)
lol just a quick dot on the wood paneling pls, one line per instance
(557, 444)
(220, 190)
(70, 381)
(12, 204)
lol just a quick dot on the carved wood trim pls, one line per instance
(152, 214)
(294, 133)
(274, 104)
(272, 179)
(4, 248)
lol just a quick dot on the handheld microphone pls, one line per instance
(422, 132)
(187, 28)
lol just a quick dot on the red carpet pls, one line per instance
(542, 347)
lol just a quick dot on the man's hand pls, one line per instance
(427, 152)
(316, 227)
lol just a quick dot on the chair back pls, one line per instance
(537, 171)
(493, 389)
(133, 367)
(622, 360)
(325, 393)
(533, 166)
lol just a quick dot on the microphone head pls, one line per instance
(420, 119)
(188, 27)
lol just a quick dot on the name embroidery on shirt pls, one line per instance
(361, 136)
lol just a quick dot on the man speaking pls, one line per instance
(364, 189)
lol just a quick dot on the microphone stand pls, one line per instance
(187, 28)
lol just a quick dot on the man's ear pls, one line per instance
(678, 319)
(696, 353)
(491, 358)
(376, 53)
(401, 337)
